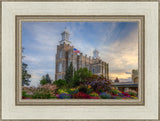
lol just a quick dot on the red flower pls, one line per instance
(126, 94)
(82, 95)
(114, 94)
(94, 98)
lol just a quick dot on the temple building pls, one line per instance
(66, 53)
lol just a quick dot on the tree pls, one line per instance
(45, 80)
(60, 83)
(25, 75)
(48, 79)
(81, 75)
(116, 80)
(69, 73)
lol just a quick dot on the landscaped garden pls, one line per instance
(81, 84)
(50, 91)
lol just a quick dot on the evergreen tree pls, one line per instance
(45, 79)
(84, 73)
(69, 73)
(25, 75)
(80, 75)
(48, 79)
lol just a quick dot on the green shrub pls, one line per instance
(114, 91)
(117, 97)
(83, 88)
(25, 95)
(132, 93)
(89, 90)
(72, 91)
(52, 97)
(80, 75)
(41, 95)
(98, 84)
(60, 83)
(44, 92)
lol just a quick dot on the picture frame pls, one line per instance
(20, 19)
(12, 9)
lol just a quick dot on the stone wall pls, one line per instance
(79, 61)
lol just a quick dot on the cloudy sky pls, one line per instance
(117, 43)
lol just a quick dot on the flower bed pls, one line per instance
(50, 91)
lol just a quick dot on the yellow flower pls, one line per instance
(62, 91)
(94, 94)
(120, 92)
(72, 89)
(135, 97)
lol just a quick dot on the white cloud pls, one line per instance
(122, 55)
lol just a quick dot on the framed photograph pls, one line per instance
(87, 60)
(74, 76)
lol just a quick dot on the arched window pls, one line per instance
(84, 65)
(59, 77)
(69, 54)
(103, 71)
(60, 54)
(74, 64)
(60, 67)
(93, 71)
(69, 61)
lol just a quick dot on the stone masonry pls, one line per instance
(65, 55)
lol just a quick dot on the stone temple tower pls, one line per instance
(98, 66)
(95, 54)
(61, 61)
(66, 54)
(65, 37)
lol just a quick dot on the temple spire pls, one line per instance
(95, 54)
(65, 37)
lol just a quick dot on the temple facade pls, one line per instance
(66, 54)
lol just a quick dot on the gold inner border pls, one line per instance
(77, 102)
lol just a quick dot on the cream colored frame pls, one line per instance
(82, 104)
